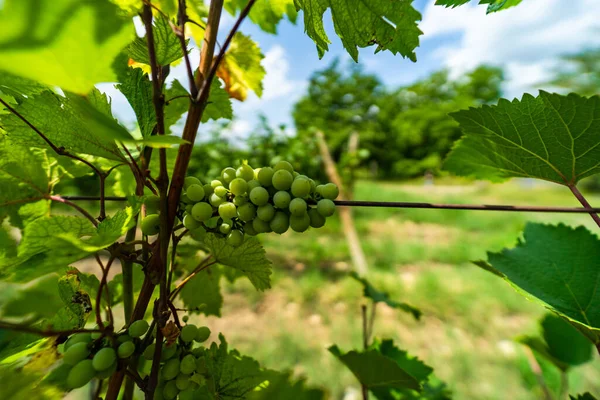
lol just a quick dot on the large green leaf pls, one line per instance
(137, 89)
(282, 386)
(23, 299)
(550, 137)
(71, 122)
(166, 44)
(203, 293)
(389, 25)
(375, 370)
(265, 13)
(19, 87)
(493, 5)
(66, 43)
(560, 266)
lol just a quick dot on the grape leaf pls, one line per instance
(137, 89)
(265, 13)
(77, 303)
(241, 68)
(282, 386)
(219, 104)
(550, 137)
(176, 104)
(203, 292)
(71, 122)
(559, 266)
(166, 44)
(493, 5)
(19, 87)
(562, 344)
(17, 384)
(377, 296)
(390, 25)
(72, 42)
(162, 141)
(375, 370)
(23, 299)
(249, 258)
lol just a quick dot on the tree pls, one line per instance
(580, 73)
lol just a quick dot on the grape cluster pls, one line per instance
(93, 356)
(247, 201)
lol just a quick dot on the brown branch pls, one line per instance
(102, 215)
(103, 283)
(174, 313)
(180, 33)
(135, 377)
(43, 332)
(584, 203)
(86, 214)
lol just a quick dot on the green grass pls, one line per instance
(422, 257)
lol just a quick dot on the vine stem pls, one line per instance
(86, 214)
(584, 203)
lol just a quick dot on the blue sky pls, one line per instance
(526, 40)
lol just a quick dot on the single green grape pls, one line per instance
(208, 189)
(188, 208)
(202, 211)
(228, 174)
(221, 191)
(260, 226)
(203, 334)
(75, 353)
(284, 165)
(198, 233)
(188, 333)
(170, 391)
(188, 364)
(124, 338)
(282, 179)
(245, 172)
(126, 349)
(227, 210)
(246, 212)
(81, 374)
(138, 328)
(235, 238)
(195, 193)
(253, 184)
(190, 223)
(149, 352)
(225, 228)
(282, 199)
(330, 191)
(107, 373)
(316, 219)
(265, 176)
(78, 338)
(216, 183)
(280, 222)
(168, 352)
(326, 207)
(266, 212)
(240, 200)
(300, 223)
(300, 187)
(185, 199)
(238, 186)
(259, 196)
(298, 207)
(201, 365)
(191, 180)
(185, 318)
(150, 224)
(104, 358)
(249, 229)
(152, 204)
(183, 381)
(96, 335)
(216, 200)
(171, 369)
(313, 185)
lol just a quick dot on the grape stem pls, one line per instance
(201, 267)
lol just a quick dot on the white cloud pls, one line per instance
(527, 39)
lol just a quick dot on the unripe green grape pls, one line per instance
(235, 238)
(170, 391)
(107, 373)
(188, 333)
(313, 185)
(126, 349)
(208, 189)
(265, 176)
(300, 223)
(295, 174)
(76, 352)
(316, 219)
(149, 352)
(253, 184)
(138, 328)
(330, 191)
(191, 180)
(188, 208)
(190, 223)
(300, 187)
(185, 199)
(195, 193)
(124, 338)
(203, 334)
(158, 392)
(216, 200)
(227, 210)
(225, 228)
(259, 196)
(216, 183)
(282, 199)
(104, 358)
(266, 212)
(298, 207)
(171, 369)
(326, 207)
(249, 229)
(188, 364)
(238, 186)
(228, 174)
(198, 233)
(183, 381)
(240, 200)
(168, 352)
(80, 374)
(280, 223)
(221, 191)
(77, 338)
(246, 212)
(282, 179)
(202, 211)
(150, 225)
(96, 335)
(189, 393)
(260, 226)
(152, 204)
(284, 165)
(245, 172)
(201, 365)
